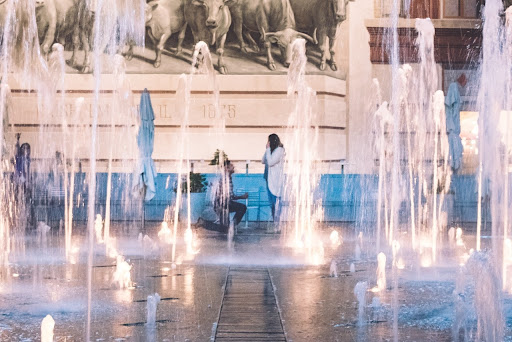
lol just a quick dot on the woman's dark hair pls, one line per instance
(274, 141)
(25, 149)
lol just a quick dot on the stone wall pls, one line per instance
(253, 107)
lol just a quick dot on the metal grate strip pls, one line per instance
(249, 309)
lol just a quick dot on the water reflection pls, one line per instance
(124, 296)
(188, 287)
(315, 307)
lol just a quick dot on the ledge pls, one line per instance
(438, 23)
(201, 84)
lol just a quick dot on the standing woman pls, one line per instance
(274, 161)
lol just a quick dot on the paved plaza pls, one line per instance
(257, 290)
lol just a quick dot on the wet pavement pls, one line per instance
(257, 290)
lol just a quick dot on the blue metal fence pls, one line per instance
(345, 197)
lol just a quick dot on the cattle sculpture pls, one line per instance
(55, 21)
(163, 18)
(209, 21)
(275, 22)
(85, 34)
(322, 17)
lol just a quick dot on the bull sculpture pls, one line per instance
(163, 18)
(84, 33)
(322, 17)
(55, 21)
(209, 21)
(275, 22)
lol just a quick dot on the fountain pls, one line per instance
(47, 326)
(183, 94)
(333, 270)
(435, 290)
(165, 234)
(494, 150)
(335, 238)
(421, 183)
(98, 228)
(357, 253)
(152, 305)
(42, 234)
(360, 292)
(301, 171)
(121, 276)
(381, 272)
(484, 291)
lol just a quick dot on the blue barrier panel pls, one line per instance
(345, 197)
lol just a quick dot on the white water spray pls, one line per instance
(121, 275)
(47, 326)
(381, 272)
(152, 305)
(333, 270)
(360, 292)
(301, 168)
(98, 228)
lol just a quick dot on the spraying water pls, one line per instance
(381, 272)
(412, 126)
(335, 238)
(302, 175)
(122, 118)
(357, 253)
(202, 64)
(495, 103)
(22, 60)
(383, 143)
(485, 288)
(57, 67)
(42, 234)
(122, 273)
(333, 270)
(5, 231)
(152, 305)
(165, 234)
(68, 225)
(98, 228)
(360, 291)
(113, 26)
(183, 106)
(191, 242)
(47, 326)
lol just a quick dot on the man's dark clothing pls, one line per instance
(224, 204)
(233, 207)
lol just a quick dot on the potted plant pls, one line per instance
(198, 186)
(216, 157)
